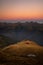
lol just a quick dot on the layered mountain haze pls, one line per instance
(15, 32)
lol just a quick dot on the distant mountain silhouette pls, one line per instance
(19, 26)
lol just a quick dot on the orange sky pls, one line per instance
(22, 9)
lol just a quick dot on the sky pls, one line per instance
(21, 9)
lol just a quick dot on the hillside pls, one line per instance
(15, 32)
(5, 41)
(23, 53)
(24, 45)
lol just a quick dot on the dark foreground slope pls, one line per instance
(22, 53)
(5, 41)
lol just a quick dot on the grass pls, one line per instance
(16, 54)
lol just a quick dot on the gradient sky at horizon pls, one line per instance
(21, 9)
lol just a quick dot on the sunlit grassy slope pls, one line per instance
(22, 53)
